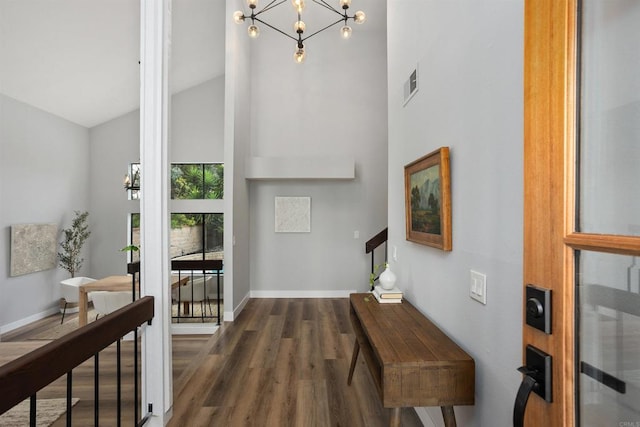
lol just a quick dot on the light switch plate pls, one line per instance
(478, 287)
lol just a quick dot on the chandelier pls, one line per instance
(299, 26)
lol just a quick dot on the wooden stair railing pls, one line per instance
(373, 243)
(23, 377)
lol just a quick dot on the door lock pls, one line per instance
(538, 308)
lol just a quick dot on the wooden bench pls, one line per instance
(412, 362)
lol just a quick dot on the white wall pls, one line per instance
(197, 123)
(196, 136)
(332, 105)
(237, 138)
(114, 145)
(470, 98)
(44, 177)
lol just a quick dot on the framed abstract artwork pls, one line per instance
(427, 187)
(292, 214)
(33, 248)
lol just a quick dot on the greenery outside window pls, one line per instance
(189, 181)
(196, 236)
(197, 181)
(193, 236)
(134, 236)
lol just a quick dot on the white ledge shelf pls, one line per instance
(265, 168)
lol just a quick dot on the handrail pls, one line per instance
(376, 240)
(133, 267)
(371, 246)
(23, 377)
(193, 264)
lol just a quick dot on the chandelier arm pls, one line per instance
(278, 30)
(324, 4)
(321, 30)
(269, 7)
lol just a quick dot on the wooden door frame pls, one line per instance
(549, 135)
(550, 239)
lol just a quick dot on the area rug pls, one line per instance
(47, 412)
(60, 330)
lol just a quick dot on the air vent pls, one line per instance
(411, 86)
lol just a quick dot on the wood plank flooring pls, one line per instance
(283, 362)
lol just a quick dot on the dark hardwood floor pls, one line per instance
(283, 362)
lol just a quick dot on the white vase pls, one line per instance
(387, 279)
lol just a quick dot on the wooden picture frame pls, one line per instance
(427, 188)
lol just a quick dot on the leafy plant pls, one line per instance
(373, 276)
(74, 239)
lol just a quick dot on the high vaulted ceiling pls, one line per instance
(78, 59)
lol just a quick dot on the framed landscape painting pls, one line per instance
(427, 187)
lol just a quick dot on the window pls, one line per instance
(189, 181)
(193, 235)
(196, 236)
(134, 237)
(197, 180)
(132, 181)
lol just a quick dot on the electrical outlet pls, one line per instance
(478, 287)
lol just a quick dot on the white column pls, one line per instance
(154, 212)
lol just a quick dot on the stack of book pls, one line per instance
(387, 296)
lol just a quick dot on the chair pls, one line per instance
(105, 302)
(70, 291)
(212, 287)
(194, 291)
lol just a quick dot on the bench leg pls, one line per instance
(449, 416)
(354, 359)
(396, 413)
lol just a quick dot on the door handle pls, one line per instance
(527, 385)
(537, 378)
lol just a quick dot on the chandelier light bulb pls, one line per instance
(344, 4)
(238, 17)
(299, 27)
(253, 31)
(359, 17)
(299, 55)
(345, 31)
(298, 5)
(252, 3)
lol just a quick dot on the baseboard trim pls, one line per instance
(236, 312)
(33, 318)
(303, 294)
